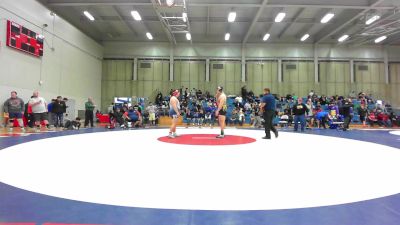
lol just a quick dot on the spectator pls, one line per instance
(58, 109)
(309, 115)
(89, 107)
(39, 110)
(299, 111)
(133, 116)
(322, 117)
(363, 112)
(14, 107)
(29, 115)
(346, 112)
(372, 118)
(394, 120)
(73, 125)
(241, 117)
(151, 109)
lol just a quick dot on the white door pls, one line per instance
(70, 114)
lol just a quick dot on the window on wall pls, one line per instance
(218, 66)
(145, 65)
(363, 67)
(291, 66)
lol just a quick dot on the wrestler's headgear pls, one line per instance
(175, 93)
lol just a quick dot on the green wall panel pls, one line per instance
(334, 78)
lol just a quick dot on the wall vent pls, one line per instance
(218, 66)
(291, 66)
(145, 65)
(363, 67)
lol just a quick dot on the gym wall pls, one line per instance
(72, 69)
(297, 78)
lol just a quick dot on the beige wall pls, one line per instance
(393, 90)
(334, 78)
(297, 81)
(371, 81)
(262, 74)
(229, 77)
(117, 80)
(190, 74)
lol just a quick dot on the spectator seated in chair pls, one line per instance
(383, 120)
(132, 116)
(372, 118)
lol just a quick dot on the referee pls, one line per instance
(268, 108)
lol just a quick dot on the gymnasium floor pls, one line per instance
(139, 177)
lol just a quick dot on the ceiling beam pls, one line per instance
(309, 26)
(208, 21)
(296, 17)
(379, 23)
(349, 21)
(188, 22)
(392, 40)
(254, 22)
(390, 33)
(164, 25)
(124, 21)
(246, 5)
(212, 20)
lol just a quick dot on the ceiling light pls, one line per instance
(231, 17)
(327, 17)
(149, 36)
(88, 15)
(280, 17)
(136, 15)
(227, 36)
(266, 37)
(170, 2)
(372, 19)
(184, 17)
(188, 36)
(305, 37)
(379, 39)
(343, 38)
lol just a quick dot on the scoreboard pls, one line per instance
(23, 39)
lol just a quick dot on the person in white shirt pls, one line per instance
(39, 110)
(151, 109)
(239, 99)
(247, 106)
(310, 113)
(241, 117)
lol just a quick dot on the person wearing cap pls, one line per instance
(174, 113)
(221, 110)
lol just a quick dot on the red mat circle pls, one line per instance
(207, 139)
